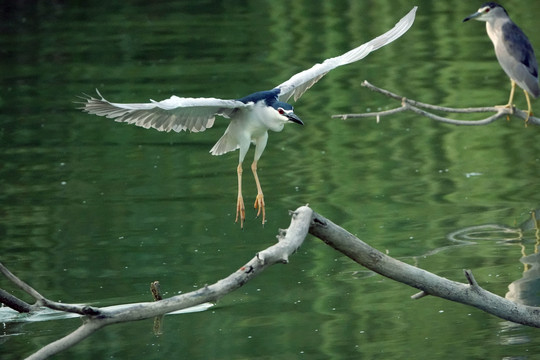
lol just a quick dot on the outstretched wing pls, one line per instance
(175, 113)
(299, 83)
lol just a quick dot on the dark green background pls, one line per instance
(92, 210)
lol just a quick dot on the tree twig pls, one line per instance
(21, 284)
(155, 289)
(421, 108)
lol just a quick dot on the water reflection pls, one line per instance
(525, 290)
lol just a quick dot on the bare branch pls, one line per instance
(21, 284)
(470, 278)
(289, 241)
(42, 301)
(470, 294)
(419, 108)
(84, 331)
(419, 295)
(14, 302)
(304, 220)
(155, 289)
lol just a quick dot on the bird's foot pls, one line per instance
(513, 108)
(259, 205)
(529, 114)
(240, 211)
(507, 106)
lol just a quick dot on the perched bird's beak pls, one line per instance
(472, 16)
(293, 118)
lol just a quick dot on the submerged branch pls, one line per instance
(421, 108)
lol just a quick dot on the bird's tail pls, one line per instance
(225, 144)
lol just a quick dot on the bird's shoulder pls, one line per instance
(516, 41)
(518, 45)
(268, 96)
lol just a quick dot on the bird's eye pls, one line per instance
(281, 111)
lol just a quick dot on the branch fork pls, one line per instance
(421, 108)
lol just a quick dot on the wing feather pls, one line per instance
(299, 83)
(525, 68)
(176, 113)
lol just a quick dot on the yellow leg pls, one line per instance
(511, 99)
(259, 201)
(536, 228)
(529, 108)
(240, 209)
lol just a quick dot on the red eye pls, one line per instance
(487, 10)
(281, 111)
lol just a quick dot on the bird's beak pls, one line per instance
(293, 118)
(472, 16)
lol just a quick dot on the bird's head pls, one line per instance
(488, 12)
(286, 111)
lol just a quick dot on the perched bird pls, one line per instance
(250, 117)
(513, 50)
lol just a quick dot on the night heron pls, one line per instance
(513, 50)
(250, 117)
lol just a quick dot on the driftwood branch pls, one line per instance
(42, 301)
(304, 220)
(14, 302)
(289, 241)
(429, 284)
(427, 110)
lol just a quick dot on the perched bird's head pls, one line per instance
(488, 12)
(287, 112)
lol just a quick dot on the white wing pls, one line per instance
(175, 113)
(299, 83)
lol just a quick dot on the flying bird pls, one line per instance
(250, 117)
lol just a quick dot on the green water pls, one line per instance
(92, 210)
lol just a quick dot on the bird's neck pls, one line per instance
(267, 117)
(494, 30)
